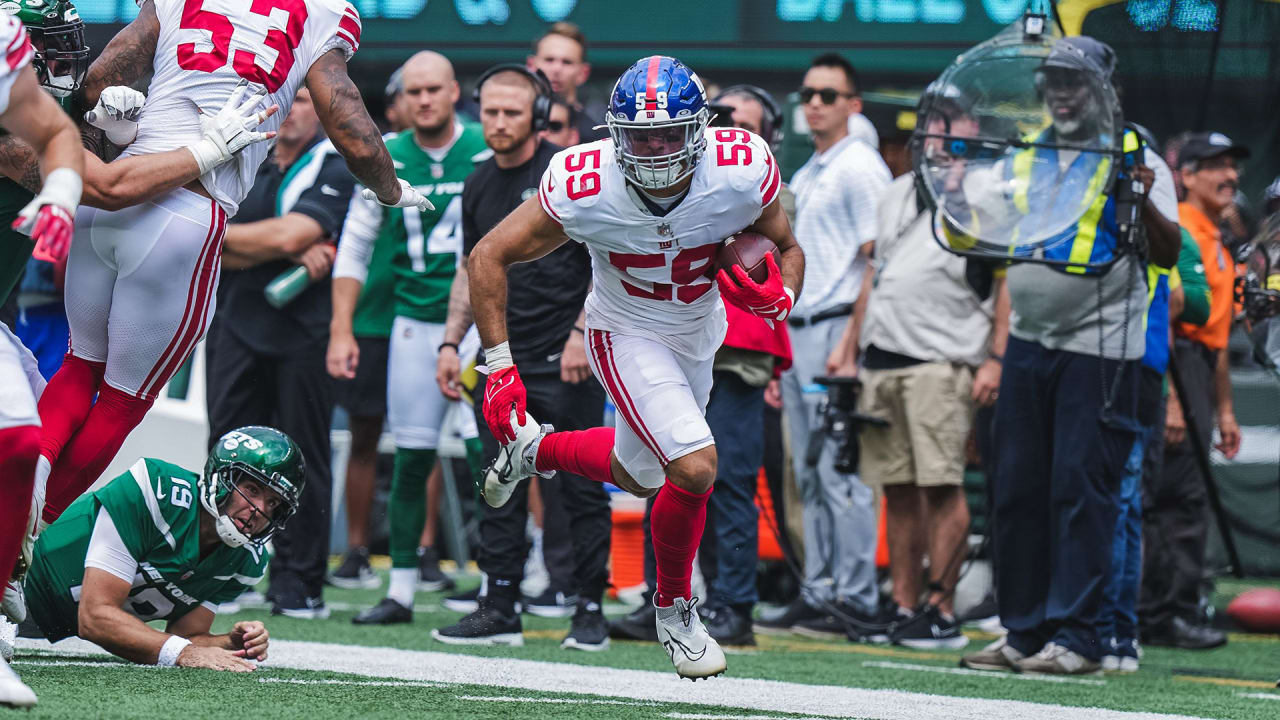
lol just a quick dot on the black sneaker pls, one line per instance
(929, 629)
(387, 612)
(489, 625)
(730, 626)
(1184, 635)
(430, 577)
(848, 623)
(355, 573)
(781, 623)
(551, 604)
(639, 624)
(589, 630)
(467, 602)
(296, 604)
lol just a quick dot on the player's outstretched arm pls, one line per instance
(247, 639)
(126, 59)
(347, 123)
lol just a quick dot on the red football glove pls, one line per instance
(769, 300)
(502, 392)
(51, 226)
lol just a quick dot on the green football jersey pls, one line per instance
(15, 248)
(155, 508)
(428, 245)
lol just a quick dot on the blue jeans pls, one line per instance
(735, 413)
(1118, 614)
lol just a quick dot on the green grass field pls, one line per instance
(333, 669)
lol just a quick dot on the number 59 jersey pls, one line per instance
(654, 275)
(206, 47)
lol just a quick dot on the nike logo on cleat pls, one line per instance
(685, 649)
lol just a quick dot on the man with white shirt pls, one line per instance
(837, 194)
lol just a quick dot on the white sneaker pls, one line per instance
(13, 692)
(14, 605)
(515, 461)
(693, 651)
(8, 637)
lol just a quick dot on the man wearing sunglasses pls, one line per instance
(837, 194)
(562, 123)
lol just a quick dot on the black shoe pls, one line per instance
(928, 629)
(551, 604)
(295, 603)
(782, 622)
(467, 602)
(848, 623)
(1182, 634)
(355, 573)
(430, 577)
(489, 625)
(387, 612)
(639, 624)
(731, 626)
(589, 630)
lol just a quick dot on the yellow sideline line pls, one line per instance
(1228, 682)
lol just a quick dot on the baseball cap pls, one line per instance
(1080, 52)
(1202, 145)
(395, 84)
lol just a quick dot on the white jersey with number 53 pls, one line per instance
(653, 275)
(207, 46)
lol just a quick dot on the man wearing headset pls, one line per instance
(436, 153)
(545, 299)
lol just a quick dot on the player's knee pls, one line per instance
(623, 480)
(695, 472)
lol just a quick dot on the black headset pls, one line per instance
(542, 89)
(772, 131)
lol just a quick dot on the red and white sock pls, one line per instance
(66, 401)
(19, 449)
(677, 521)
(94, 446)
(580, 452)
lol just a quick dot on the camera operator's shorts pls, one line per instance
(661, 397)
(929, 412)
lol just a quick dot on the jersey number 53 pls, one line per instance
(195, 17)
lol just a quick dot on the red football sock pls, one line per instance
(19, 449)
(581, 452)
(677, 521)
(66, 401)
(94, 446)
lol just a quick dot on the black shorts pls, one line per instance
(366, 395)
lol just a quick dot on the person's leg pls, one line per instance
(19, 445)
(887, 462)
(735, 414)
(1126, 494)
(362, 472)
(1190, 536)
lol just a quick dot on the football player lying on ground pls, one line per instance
(163, 543)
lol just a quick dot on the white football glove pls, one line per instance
(232, 129)
(117, 113)
(409, 197)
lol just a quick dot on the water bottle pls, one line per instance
(286, 286)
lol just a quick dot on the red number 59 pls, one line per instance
(194, 17)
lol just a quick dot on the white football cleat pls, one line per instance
(8, 638)
(515, 461)
(13, 692)
(14, 605)
(693, 651)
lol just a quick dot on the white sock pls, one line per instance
(403, 582)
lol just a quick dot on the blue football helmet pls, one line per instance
(657, 118)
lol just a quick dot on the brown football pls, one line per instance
(747, 250)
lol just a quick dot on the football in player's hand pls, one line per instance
(1257, 610)
(747, 250)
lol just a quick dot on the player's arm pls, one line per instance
(126, 59)
(350, 269)
(252, 243)
(347, 123)
(774, 225)
(773, 298)
(457, 322)
(247, 639)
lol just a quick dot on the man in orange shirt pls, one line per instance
(1170, 601)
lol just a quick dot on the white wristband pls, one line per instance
(63, 187)
(170, 651)
(208, 155)
(498, 357)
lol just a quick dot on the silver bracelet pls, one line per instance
(170, 651)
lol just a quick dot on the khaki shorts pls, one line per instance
(929, 412)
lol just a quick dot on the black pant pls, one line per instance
(577, 524)
(1176, 508)
(293, 393)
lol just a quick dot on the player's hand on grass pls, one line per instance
(408, 197)
(250, 640)
(448, 370)
(573, 361)
(232, 128)
(117, 113)
(343, 356)
(212, 658)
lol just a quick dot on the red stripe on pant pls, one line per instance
(602, 349)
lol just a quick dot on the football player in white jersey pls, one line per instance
(652, 204)
(141, 280)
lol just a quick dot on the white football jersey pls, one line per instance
(655, 275)
(15, 48)
(207, 46)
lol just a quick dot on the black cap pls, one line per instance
(1081, 52)
(1204, 145)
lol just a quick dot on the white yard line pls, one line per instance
(358, 683)
(554, 701)
(1259, 696)
(702, 716)
(983, 673)
(570, 679)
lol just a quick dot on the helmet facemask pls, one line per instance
(61, 56)
(217, 491)
(657, 153)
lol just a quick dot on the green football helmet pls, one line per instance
(262, 454)
(57, 36)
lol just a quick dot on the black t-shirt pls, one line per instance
(305, 320)
(544, 297)
(589, 117)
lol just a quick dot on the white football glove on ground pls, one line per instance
(117, 113)
(409, 197)
(232, 129)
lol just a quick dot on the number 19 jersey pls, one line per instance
(654, 275)
(206, 47)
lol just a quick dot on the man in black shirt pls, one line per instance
(545, 300)
(266, 365)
